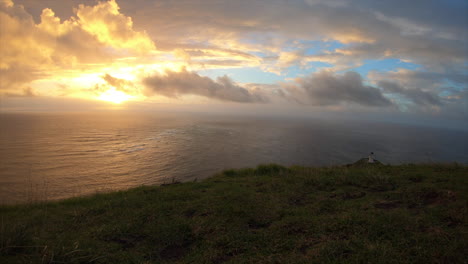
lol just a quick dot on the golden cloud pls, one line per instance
(105, 22)
(98, 34)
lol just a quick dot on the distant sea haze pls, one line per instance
(55, 156)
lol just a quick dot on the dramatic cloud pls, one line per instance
(113, 29)
(175, 84)
(325, 88)
(432, 33)
(397, 54)
(30, 50)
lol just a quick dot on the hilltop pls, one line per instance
(270, 214)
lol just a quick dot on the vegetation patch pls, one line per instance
(356, 213)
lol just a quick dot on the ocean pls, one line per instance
(49, 156)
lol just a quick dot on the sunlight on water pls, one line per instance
(53, 156)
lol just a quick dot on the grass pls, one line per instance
(270, 214)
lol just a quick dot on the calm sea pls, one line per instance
(54, 156)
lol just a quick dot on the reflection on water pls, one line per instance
(53, 156)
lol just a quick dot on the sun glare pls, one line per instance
(114, 96)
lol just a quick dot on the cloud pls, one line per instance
(175, 84)
(20, 56)
(96, 35)
(326, 88)
(113, 29)
(119, 84)
(46, 38)
(287, 59)
(331, 3)
(26, 92)
(420, 79)
(429, 33)
(417, 96)
(434, 93)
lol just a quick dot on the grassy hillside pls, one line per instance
(270, 214)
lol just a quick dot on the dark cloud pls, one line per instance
(417, 96)
(423, 88)
(175, 84)
(423, 78)
(116, 82)
(440, 15)
(122, 85)
(326, 88)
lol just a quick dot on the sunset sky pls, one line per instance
(377, 57)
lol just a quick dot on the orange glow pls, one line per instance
(114, 96)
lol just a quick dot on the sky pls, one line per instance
(380, 59)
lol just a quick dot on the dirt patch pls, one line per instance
(174, 252)
(437, 197)
(353, 195)
(189, 213)
(204, 214)
(300, 199)
(308, 247)
(437, 231)
(383, 187)
(429, 197)
(127, 241)
(453, 221)
(255, 224)
(387, 204)
(228, 255)
(416, 178)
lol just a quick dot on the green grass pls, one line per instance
(270, 214)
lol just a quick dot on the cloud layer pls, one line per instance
(316, 48)
(326, 88)
(175, 84)
(417, 96)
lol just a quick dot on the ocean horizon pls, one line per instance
(50, 156)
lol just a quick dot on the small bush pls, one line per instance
(269, 169)
(230, 173)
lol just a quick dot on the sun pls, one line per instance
(114, 96)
